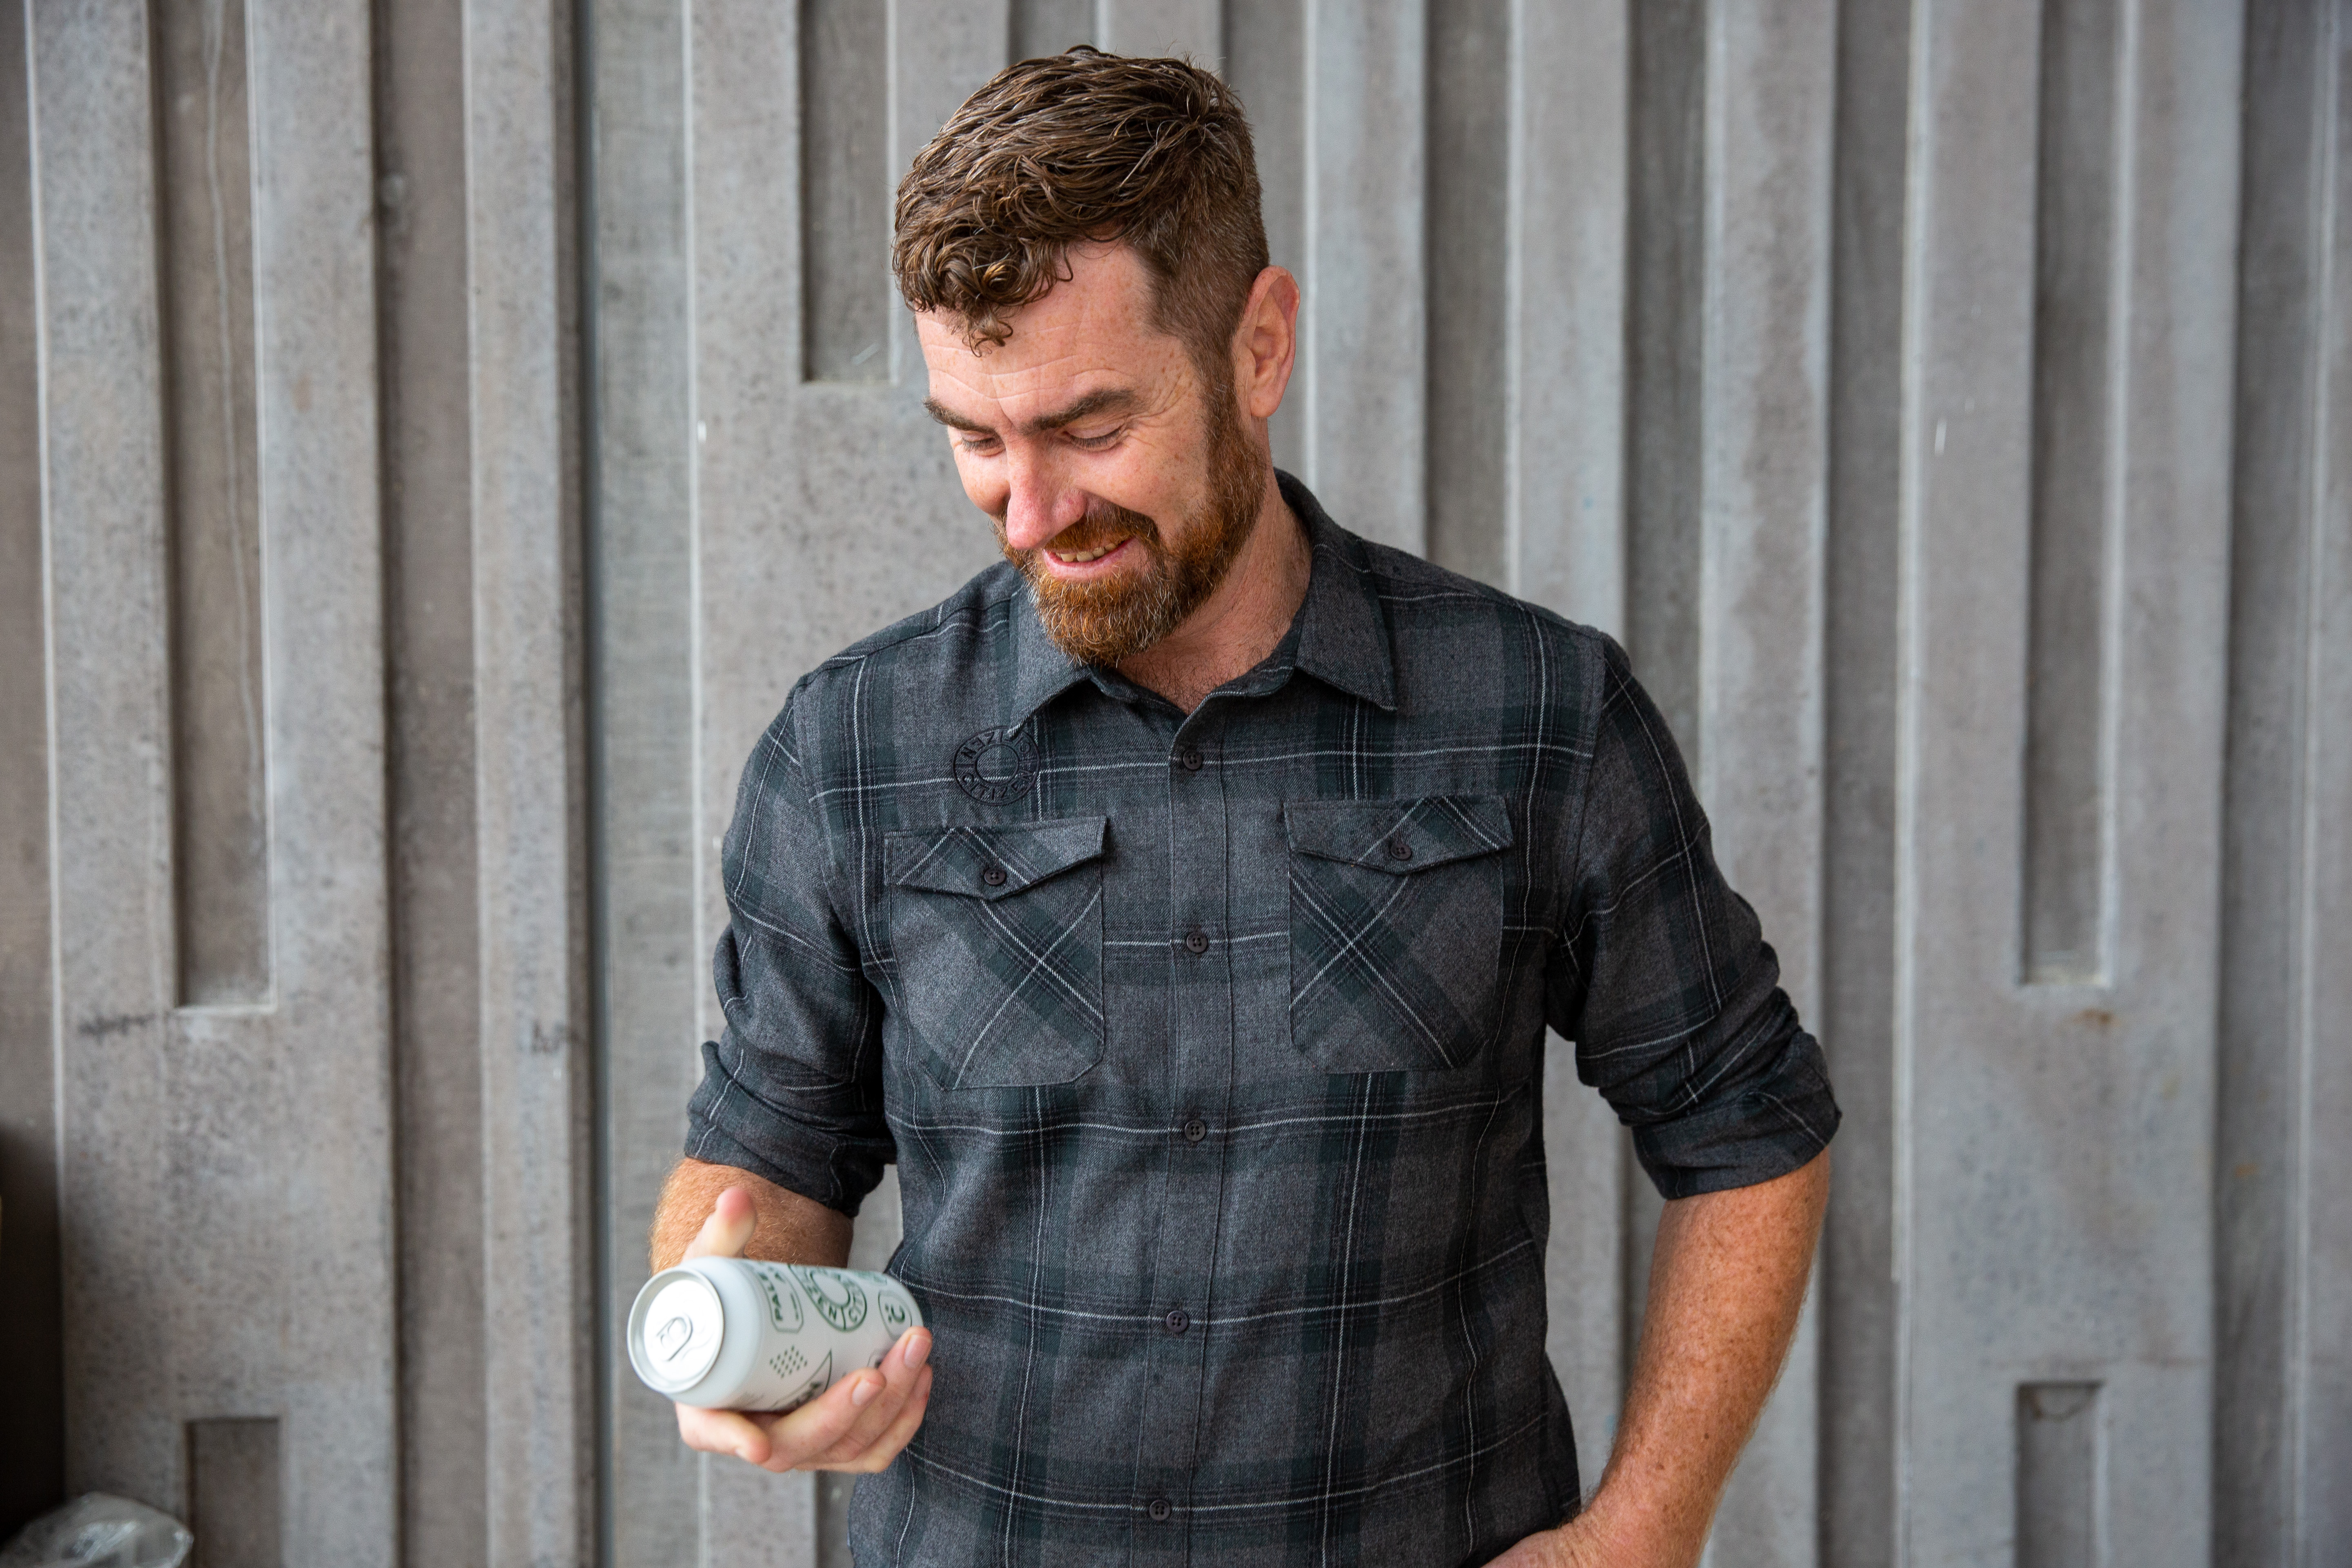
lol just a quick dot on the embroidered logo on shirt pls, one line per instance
(996, 765)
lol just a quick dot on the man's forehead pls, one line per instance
(1093, 330)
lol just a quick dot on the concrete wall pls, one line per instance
(434, 437)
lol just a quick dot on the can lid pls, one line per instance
(677, 1332)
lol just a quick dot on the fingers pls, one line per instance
(723, 1432)
(842, 1428)
(885, 1448)
(728, 1230)
(878, 1411)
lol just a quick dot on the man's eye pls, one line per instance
(978, 445)
(1097, 443)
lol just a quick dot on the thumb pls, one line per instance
(728, 1230)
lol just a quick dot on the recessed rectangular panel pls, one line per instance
(2072, 439)
(1050, 26)
(1468, 244)
(2057, 1474)
(1664, 285)
(220, 785)
(236, 1503)
(845, 190)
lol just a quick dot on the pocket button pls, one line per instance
(993, 876)
(1399, 849)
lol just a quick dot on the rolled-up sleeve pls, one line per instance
(791, 1089)
(1663, 978)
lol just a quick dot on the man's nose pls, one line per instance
(1039, 504)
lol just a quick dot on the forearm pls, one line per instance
(1726, 1285)
(790, 1229)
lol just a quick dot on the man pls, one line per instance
(1182, 905)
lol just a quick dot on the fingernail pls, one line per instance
(916, 1349)
(863, 1395)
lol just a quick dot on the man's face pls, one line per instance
(1122, 484)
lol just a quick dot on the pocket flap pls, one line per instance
(1398, 835)
(989, 862)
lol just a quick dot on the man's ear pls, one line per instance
(1266, 342)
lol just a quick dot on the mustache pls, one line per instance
(1104, 523)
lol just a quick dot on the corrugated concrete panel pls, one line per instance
(1763, 519)
(1856, 1275)
(427, 487)
(2322, 1377)
(32, 1423)
(530, 825)
(206, 1149)
(2282, 1409)
(650, 973)
(2057, 1138)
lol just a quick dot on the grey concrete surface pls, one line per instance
(538, 1246)
(225, 1172)
(32, 1433)
(1802, 345)
(422, 294)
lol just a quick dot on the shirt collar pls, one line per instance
(1340, 636)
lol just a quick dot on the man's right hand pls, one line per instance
(859, 1424)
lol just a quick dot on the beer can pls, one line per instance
(742, 1334)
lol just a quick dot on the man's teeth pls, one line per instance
(1080, 557)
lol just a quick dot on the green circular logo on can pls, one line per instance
(844, 1312)
(896, 1315)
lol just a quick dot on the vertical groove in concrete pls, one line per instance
(1266, 64)
(1665, 258)
(2058, 1500)
(237, 1489)
(1856, 1016)
(423, 400)
(2075, 312)
(649, 972)
(845, 187)
(219, 762)
(2279, 1423)
(1466, 239)
(32, 1418)
(530, 767)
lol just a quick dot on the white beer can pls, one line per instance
(741, 1334)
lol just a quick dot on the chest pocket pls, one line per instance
(996, 935)
(1396, 930)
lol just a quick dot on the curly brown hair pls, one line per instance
(1086, 146)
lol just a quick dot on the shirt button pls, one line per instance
(1400, 850)
(1192, 759)
(1158, 1510)
(1179, 1320)
(1196, 942)
(1195, 1130)
(993, 876)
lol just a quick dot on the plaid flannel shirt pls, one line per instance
(1210, 1048)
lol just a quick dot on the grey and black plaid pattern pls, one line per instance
(1210, 1050)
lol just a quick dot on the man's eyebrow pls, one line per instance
(1109, 400)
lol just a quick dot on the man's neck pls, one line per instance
(1242, 620)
